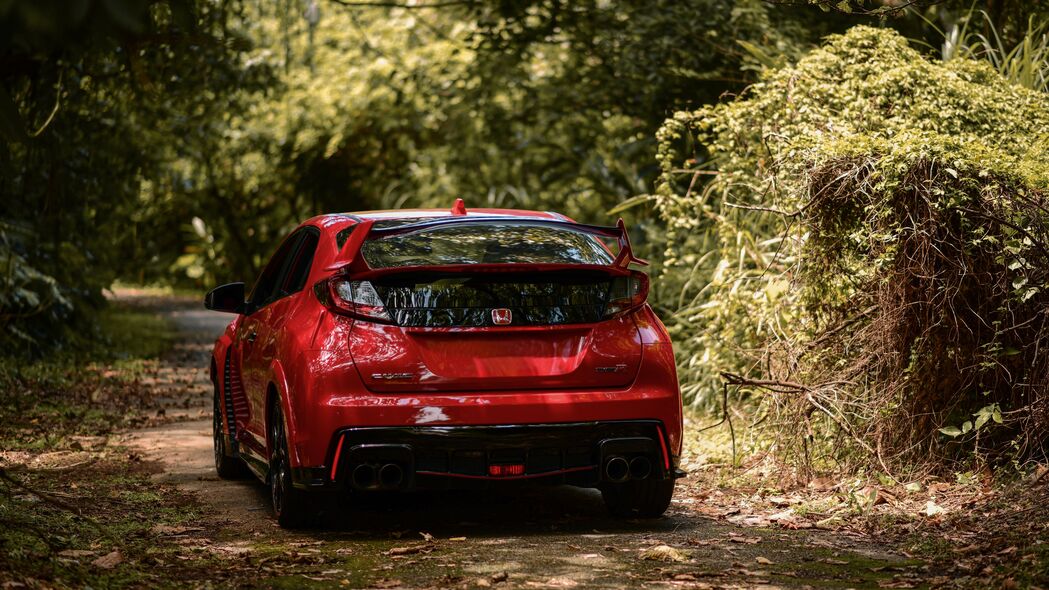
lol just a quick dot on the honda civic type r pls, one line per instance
(429, 349)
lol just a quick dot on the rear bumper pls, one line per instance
(471, 456)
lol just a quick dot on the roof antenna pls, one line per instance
(459, 208)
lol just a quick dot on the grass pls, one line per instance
(89, 389)
(68, 498)
(55, 535)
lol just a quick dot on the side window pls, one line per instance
(267, 287)
(300, 269)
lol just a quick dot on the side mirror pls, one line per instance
(228, 298)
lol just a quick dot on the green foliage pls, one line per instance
(879, 233)
(533, 105)
(91, 386)
(91, 92)
(1026, 63)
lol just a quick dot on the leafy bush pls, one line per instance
(881, 249)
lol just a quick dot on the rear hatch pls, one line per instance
(490, 305)
(444, 337)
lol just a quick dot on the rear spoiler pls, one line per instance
(349, 257)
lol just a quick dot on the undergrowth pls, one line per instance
(876, 245)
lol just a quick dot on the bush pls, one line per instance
(881, 250)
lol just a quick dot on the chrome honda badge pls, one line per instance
(502, 316)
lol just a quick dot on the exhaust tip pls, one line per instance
(640, 467)
(617, 469)
(391, 475)
(364, 476)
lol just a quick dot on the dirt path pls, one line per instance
(531, 538)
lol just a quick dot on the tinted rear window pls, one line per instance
(486, 243)
(564, 297)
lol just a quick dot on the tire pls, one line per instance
(226, 465)
(645, 498)
(289, 504)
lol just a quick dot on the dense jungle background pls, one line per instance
(845, 203)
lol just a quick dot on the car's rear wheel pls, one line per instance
(226, 465)
(643, 498)
(289, 504)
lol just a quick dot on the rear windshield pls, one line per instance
(486, 243)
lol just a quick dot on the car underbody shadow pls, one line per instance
(495, 511)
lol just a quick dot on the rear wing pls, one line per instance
(349, 257)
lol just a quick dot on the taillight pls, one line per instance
(626, 294)
(357, 299)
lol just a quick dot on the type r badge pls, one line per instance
(502, 316)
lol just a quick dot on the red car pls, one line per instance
(415, 349)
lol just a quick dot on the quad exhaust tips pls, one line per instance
(391, 475)
(640, 467)
(619, 469)
(367, 476)
(364, 476)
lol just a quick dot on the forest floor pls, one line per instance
(114, 486)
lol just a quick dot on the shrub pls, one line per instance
(880, 251)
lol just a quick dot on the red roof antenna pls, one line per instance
(459, 208)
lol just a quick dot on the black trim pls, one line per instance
(458, 456)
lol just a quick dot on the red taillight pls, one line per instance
(335, 462)
(506, 470)
(357, 299)
(663, 446)
(626, 294)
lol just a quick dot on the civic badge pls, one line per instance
(502, 316)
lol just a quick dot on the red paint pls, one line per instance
(338, 452)
(335, 370)
(663, 446)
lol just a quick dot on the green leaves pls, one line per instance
(990, 412)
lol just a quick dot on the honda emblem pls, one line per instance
(502, 316)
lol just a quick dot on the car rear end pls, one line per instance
(490, 349)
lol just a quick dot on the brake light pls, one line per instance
(357, 299)
(626, 294)
(506, 470)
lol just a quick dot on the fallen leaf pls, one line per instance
(109, 560)
(663, 553)
(163, 529)
(933, 509)
(77, 553)
(404, 550)
(763, 560)
(830, 523)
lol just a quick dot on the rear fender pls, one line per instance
(280, 381)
